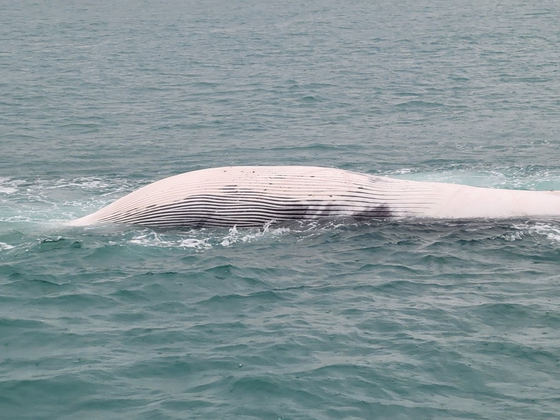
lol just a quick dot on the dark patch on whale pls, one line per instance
(378, 212)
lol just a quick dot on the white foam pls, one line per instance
(231, 238)
(7, 190)
(102, 186)
(194, 243)
(154, 239)
(514, 236)
(250, 235)
(9, 186)
(5, 246)
(548, 230)
(205, 238)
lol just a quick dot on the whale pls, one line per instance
(254, 196)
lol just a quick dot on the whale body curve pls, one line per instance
(250, 196)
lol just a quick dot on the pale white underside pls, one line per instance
(240, 194)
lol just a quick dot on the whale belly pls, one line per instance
(256, 195)
(253, 196)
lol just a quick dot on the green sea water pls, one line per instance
(334, 320)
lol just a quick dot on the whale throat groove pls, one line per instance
(249, 196)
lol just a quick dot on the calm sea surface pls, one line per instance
(310, 321)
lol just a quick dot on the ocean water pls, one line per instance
(336, 320)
